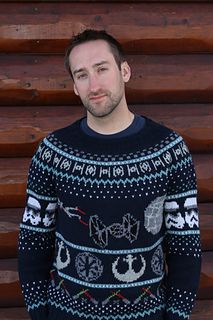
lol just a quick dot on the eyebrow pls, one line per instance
(98, 64)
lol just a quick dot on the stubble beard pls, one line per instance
(103, 108)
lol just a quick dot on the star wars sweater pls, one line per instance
(110, 230)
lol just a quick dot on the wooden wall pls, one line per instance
(169, 46)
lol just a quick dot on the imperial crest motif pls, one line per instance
(157, 262)
(88, 266)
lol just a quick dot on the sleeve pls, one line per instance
(183, 250)
(37, 233)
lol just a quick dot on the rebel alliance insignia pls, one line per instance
(130, 275)
(154, 215)
(59, 263)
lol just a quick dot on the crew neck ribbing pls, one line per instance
(134, 127)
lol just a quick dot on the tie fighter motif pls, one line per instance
(129, 228)
(98, 231)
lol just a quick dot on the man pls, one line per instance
(110, 199)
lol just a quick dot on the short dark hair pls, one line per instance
(92, 35)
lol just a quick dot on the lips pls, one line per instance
(95, 98)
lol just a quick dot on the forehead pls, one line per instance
(89, 53)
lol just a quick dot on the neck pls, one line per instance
(113, 123)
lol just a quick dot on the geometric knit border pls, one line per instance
(108, 286)
(181, 195)
(111, 163)
(109, 317)
(113, 181)
(43, 230)
(106, 251)
(180, 313)
(183, 233)
(38, 196)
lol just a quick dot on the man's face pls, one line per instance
(97, 78)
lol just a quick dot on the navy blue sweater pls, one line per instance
(110, 230)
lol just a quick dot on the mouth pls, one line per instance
(96, 98)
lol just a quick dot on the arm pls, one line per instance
(183, 253)
(37, 234)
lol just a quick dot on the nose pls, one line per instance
(94, 83)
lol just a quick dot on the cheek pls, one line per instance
(80, 89)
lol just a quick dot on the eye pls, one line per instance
(102, 69)
(81, 76)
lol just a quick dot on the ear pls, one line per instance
(75, 89)
(126, 71)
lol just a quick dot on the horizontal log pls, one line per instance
(10, 293)
(95, 1)
(13, 180)
(204, 171)
(206, 225)
(203, 310)
(29, 79)
(21, 128)
(14, 314)
(140, 27)
(11, 217)
(206, 280)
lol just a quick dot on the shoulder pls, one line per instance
(64, 136)
(157, 132)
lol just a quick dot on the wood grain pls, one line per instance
(43, 80)
(142, 27)
(10, 291)
(21, 128)
(14, 314)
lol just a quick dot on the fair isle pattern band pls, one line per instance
(130, 316)
(180, 313)
(112, 163)
(183, 233)
(182, 195)
(40, 197)
(109, 286)
(36, 305)
(106, 251)
(113, 181)
(23, 226)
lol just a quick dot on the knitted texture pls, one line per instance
(110, 230)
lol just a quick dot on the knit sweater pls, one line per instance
(110, 230)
